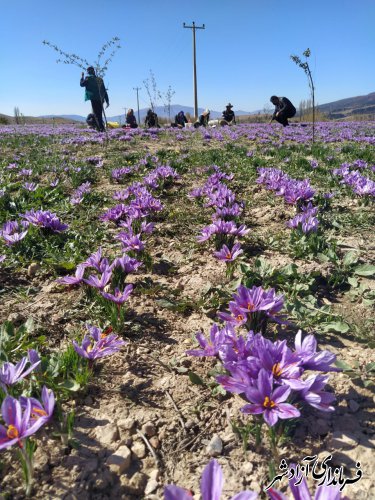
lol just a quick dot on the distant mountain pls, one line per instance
(76, 118)
(344, 108)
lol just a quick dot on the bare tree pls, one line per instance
(167, 100)
(152, 90)
(306, 68)
(17, 115)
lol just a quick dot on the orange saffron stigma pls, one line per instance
(268, 403)
(38, 412)
(228, 256)
(250, 306)
(240, 317)
(276, 370)
(12, 432)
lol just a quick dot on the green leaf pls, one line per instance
(166, 304)
(181, 369)
(353, 282)
(350, 258)
(370, 367)
(343, 365)
(71, 385)
(336, 326)
(195, 379)
(367, 383)
(365, 270)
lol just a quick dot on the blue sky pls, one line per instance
(243, 55)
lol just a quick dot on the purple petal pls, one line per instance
(173, 492)
(212, 481)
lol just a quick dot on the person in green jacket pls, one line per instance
(96, 93)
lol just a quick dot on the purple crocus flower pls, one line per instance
(12, 239)
(39, 409)
(30, 186)
(209, 347)
(130, 242)
(314, 394)
(45, 219)
(2, 258)
(212, 483)
(119, 297)
(310, 359)
(269, 402)
(282, 364)
(256, 299)
(126, 263)
(98, 344)
(101, 282)
(254, 304)
(73, 280)
(18, 424)
(240, 378)
(229, 255)
(10, 374)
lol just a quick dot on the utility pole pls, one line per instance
(193, 28)
(137, 89)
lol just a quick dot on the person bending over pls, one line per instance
(284, 109)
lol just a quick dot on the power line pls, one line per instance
(194, 28)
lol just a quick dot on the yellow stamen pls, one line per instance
(277, 370)
(250, 306)
(12, 432)
(240, 317)
(268, 403)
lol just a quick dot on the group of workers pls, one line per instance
(96, 92)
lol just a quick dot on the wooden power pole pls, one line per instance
(137, 89)
(193, 28)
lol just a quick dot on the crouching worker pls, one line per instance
(180, 120)
(131, 120)
(203, 119)
(284, 109)
(229, 118)
(151, 120)
(91, 121)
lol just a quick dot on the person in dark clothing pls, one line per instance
(96, 93)
(151, 120)
(131, 120)
(203, 119)
(91, 120)
(284, 109)
(229, 118)
(180, 120)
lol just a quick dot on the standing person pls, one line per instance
(131, 120)
(180, 120)
(284, 109)
(151, 120)
(96, 93)
(229, 118)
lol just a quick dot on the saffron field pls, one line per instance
(181, 310)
